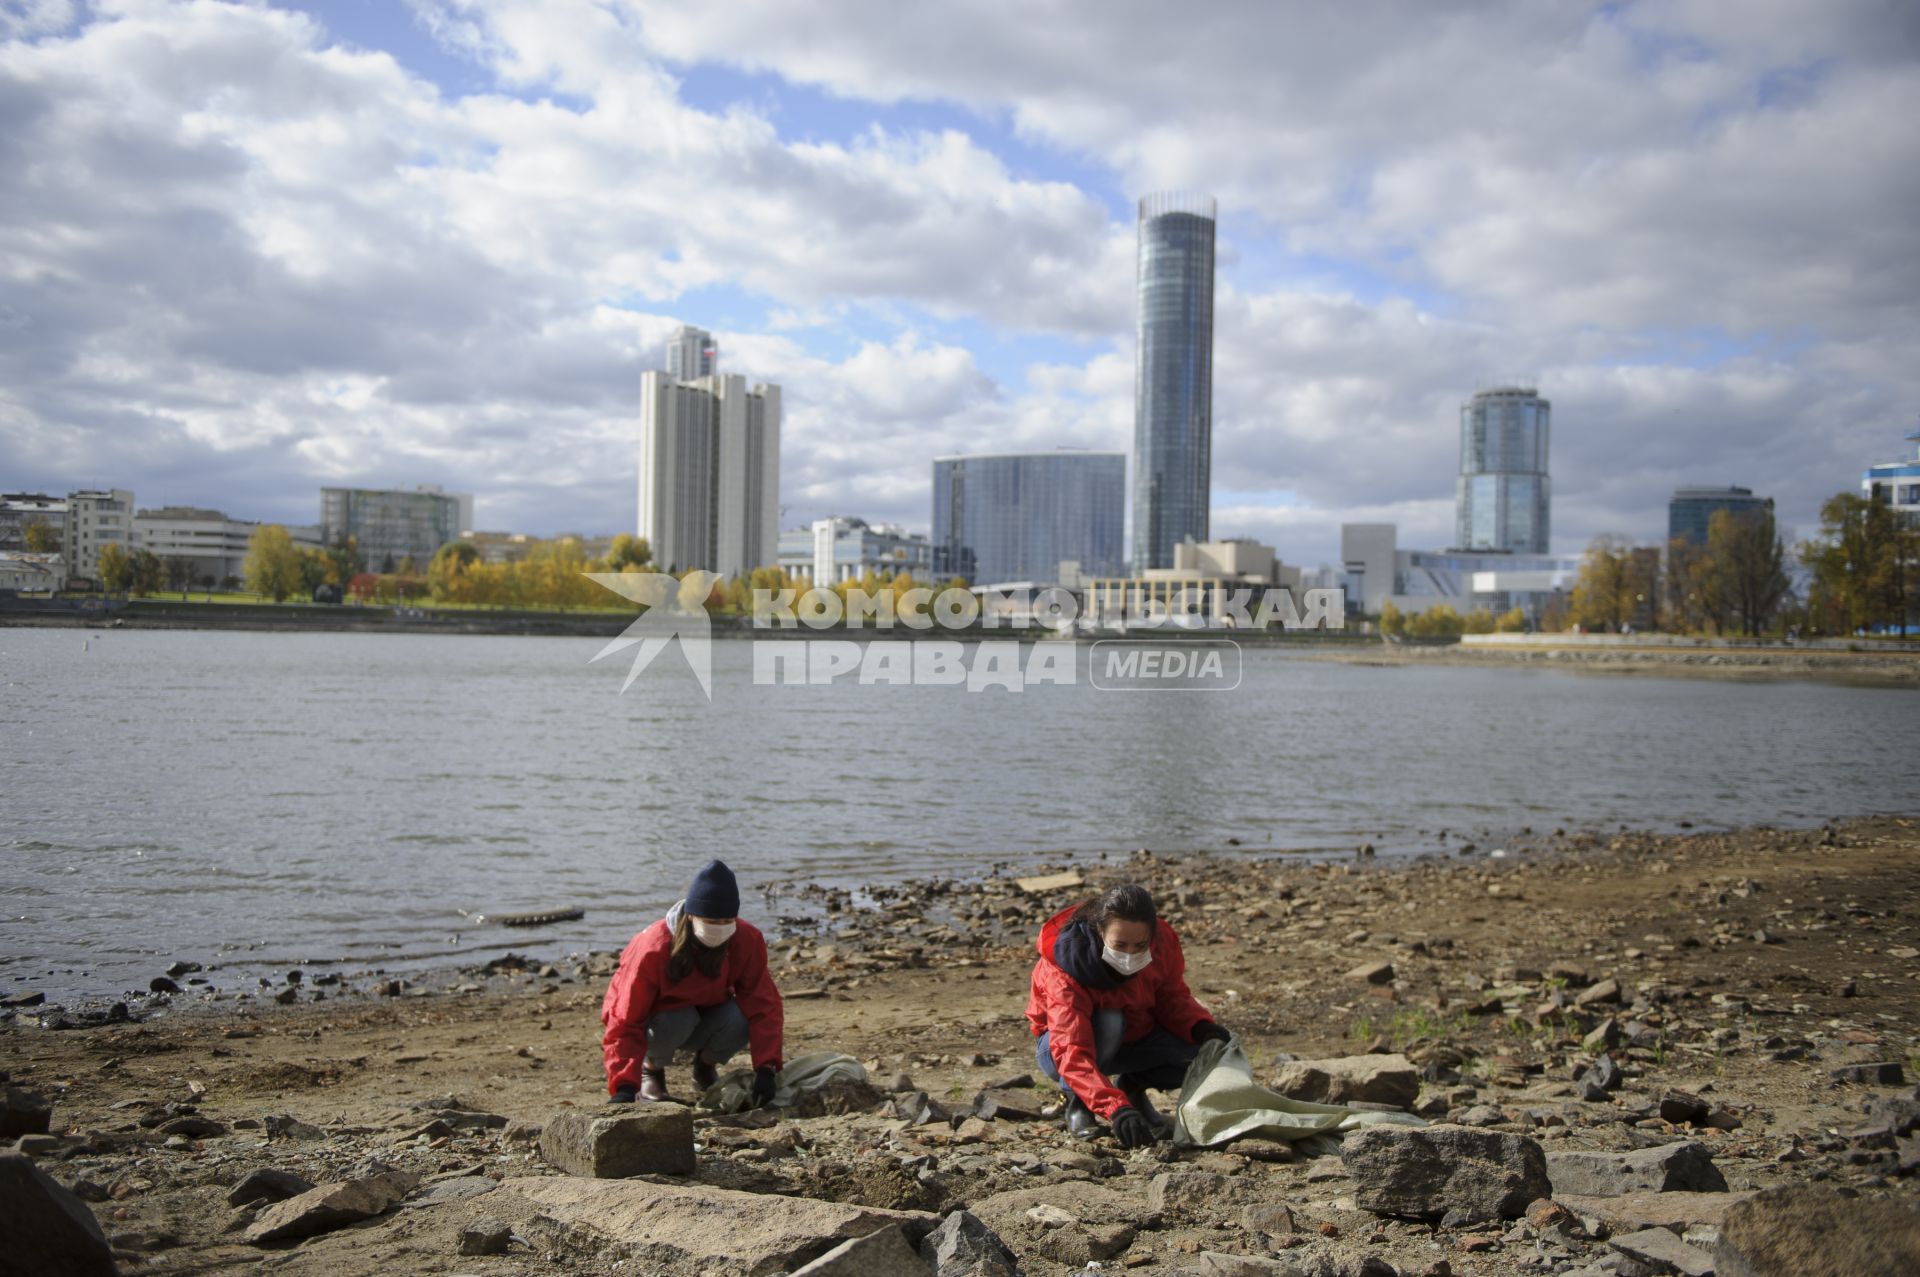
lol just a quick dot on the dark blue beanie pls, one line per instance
(714, 893)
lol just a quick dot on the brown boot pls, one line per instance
(653, 1083)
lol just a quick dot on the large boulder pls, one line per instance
(1072, 1223)
(1351, 1079)
(1427, 1172)
(656, 1139)
(1808, 1231)
(1193, 1194)
(329, 1206)
(1683, 1167)
(1658, 1250)
(48, 1229)
(963, 1246)
(688, 1229)
(1632, 1212)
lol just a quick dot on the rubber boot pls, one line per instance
(1081, 1123)
(653, 1084)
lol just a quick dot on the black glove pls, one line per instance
(763, 1078)
(1208, 1031)
(1131, 1128)
(621, 1095)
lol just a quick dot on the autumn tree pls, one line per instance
(272, 563)
(1860, 563)
(115, 568)
(1751, 563)
(40, 538)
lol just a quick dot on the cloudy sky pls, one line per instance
(249, 249)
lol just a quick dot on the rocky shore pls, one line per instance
(1754, 664)
(1637, 1054)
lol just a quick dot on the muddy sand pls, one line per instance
(1757, 994)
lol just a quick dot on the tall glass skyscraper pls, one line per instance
(1503, 500)
(1001, 517)
(1173, 377)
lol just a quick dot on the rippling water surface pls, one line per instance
(263, 799)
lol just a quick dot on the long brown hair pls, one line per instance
(688, 954)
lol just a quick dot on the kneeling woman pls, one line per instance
(1111, 1007)
(695, 981)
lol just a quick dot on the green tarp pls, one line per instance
(734, 1092)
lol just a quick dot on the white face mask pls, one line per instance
(1125, 963)
(713, 934)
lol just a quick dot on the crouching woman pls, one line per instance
(695, 982)
(1111, 1007)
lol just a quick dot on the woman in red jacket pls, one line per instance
(1113, 1013)
(696, 981)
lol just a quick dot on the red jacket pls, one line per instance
(1156, 997)
(639, 991)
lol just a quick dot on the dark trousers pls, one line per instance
(1158, 1060)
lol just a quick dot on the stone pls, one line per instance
(1662, 1252)
(1682, 1167)
(1676, 1212)
(486, 1237)
(1883, 1073)
(1681, 1108)
(654, 1140)
(329, 1206)
(193, 1126)
(1215, 1263)
(1604, 1037)
(1048, 1216)
(695, 1228)
(1097, 1211)
(1605, 991)
(1370, 1079)
(1193, 1192)
(1009, 1105)
(452, 1189)
(1808, 1231)
(962, 1246)
(24, 1113)
(48, 1229)
(1044, 883)
(1426, 1172)
(1271, 1218)
(1601, 1078)
(886, 1253)
(268, 1185)
(1373, 972)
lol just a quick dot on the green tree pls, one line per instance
(1859, 564)
(40, 538)
(1751, 563)
(116, 568)
(272, 563)
(1603, 594)
(348, 561)
(628, 550)
(145, 572)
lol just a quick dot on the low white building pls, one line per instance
(205, 547)
(843, 548)
(1896, 483)
(32, 573)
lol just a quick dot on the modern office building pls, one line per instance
(709, 472)
(1173, 377)
(1896, 483)
(205, 548)
(390, 525)
(1000, 517)
(1503, 500)
(1378, 572)
(843, 548)
(93, 520)
(691, 353)
(1691, 510)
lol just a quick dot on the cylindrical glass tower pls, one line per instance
(1173, 377)
(1503, 501)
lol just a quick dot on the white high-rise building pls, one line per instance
(709, 472)
(690, 353)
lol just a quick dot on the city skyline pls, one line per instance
(451, 281)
